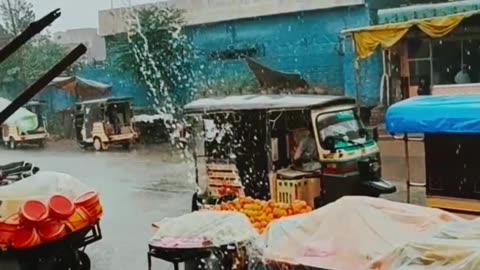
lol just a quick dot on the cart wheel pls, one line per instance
(12, 144)
(83, 261)
(98, 145)
(79, 261)
(41, 144)
(126, 146)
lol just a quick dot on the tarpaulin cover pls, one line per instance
(455, 246)
(210, 228)
(38, 187)
(435, 114)
(24, 119)
(386, 35)
(352, 232)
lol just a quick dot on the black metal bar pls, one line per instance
(41, 83)
(33, 29)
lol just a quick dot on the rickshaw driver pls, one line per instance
(306, 155)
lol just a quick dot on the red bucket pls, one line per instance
(60, 207)
(8, 229)
(33, 212)
(25, 238)
(51, 230)
(79, 220)
(90, 202)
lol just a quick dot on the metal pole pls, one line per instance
(33, 29)
(356, 69)
(407, 162)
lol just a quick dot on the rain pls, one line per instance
(271, 134)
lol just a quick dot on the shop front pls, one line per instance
(428, 56)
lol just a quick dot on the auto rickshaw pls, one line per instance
(245, 145)
(13, 133)
(451, 136)
(103, 122)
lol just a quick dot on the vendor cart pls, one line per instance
(246, 145)
(451, 135)
(63, 254)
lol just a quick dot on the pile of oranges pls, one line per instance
(261, 213)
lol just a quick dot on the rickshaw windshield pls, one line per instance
(343, 126)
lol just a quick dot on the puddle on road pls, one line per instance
(166, 186)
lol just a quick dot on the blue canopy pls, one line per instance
(435, 114)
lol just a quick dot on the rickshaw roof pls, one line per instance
(435, 114)
(264, 102)
(106, 100)
(36, 102)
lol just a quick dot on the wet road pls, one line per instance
(136, 188)
(145, 185)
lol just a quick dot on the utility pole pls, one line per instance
(12, 18)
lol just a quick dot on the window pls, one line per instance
(419, 60)
(232, 54)
(447, 60)
(442, 60)
(343, 126)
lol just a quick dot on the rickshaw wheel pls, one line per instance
(98, 145)
(77, 260)
(12, 144)
(82, 261)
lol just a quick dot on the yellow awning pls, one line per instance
(369, 38)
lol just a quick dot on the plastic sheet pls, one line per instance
(210, 227)
(22, 118)
(431, 254)
(351, 232)
(38, 187)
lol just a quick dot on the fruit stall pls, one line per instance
(351, 233)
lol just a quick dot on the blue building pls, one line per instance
(300, 36)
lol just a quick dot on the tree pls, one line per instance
(33, 59)
(158, 54)
(16, 15)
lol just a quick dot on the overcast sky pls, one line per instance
(78, 13)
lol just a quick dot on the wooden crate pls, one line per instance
(223, 175)
(306, 189)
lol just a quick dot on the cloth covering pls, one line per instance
(209, 227)
(369, 38)
(360, 233)
(351, 233)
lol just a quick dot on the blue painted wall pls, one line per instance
(307, 42)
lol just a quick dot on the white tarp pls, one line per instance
(146, 118)
(352, 232)
(38, 187)
(217, 228)
(358, 233)
(24, 119)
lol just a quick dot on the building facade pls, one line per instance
(299, 36)
(96, 48)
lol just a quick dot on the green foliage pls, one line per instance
(34, 58)
(158, 54)
(16, 15)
